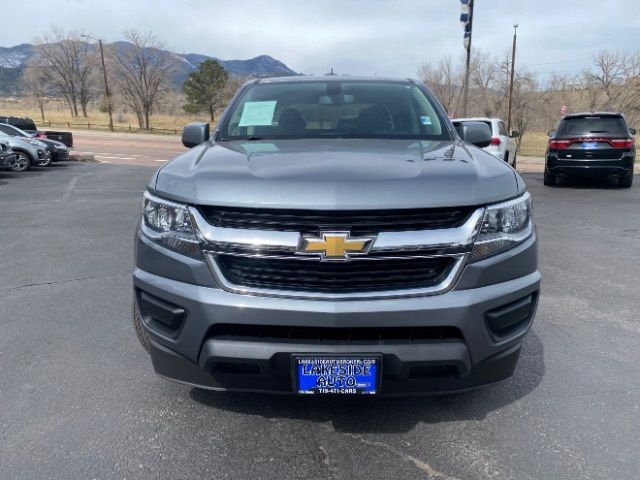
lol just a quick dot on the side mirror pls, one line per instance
(632, 131)
(551, 133)
(476, 133)
(515, 134)
(195, 133)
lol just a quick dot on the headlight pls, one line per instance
(503, 226)
(169, 224)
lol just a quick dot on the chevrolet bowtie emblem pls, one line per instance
(334, 246)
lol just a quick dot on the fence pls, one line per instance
(116, 128)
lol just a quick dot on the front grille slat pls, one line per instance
(358, 222)
(337, 335)
(336, 277)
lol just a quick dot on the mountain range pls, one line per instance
(13, 60)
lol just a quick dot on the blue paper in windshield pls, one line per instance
(257, 114)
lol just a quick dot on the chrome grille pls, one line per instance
(398, 264)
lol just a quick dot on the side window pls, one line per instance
(502, 129)
(25, 124)
(5, 129)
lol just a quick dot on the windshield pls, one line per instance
(592, 125)
(333, 109)
(13, 131)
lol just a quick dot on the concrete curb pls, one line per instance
(82, 158)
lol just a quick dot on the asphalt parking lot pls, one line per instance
(79, 399)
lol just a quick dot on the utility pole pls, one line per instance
(513, 69)
(106, 83)
(465, 103)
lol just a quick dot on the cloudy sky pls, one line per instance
(367, 37)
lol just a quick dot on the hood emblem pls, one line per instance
(334, 246)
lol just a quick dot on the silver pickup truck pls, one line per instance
(338, 236)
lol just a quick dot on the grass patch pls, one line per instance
(534, 144)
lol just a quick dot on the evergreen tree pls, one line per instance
(204, 88)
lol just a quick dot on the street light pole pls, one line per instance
(513, 69)
(106, 82)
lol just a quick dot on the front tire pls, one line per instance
(137, 326)
(22, 163)
(46, 162)
(549, 179)
(626, 180)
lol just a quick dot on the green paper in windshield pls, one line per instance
(257, 114)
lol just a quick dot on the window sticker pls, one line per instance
(257, 114)
(425, 120)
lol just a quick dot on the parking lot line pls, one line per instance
(110, 153)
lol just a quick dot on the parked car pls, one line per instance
(591, 144)
(7, 157)
(29, 152)
(503, 145)
(294, 252)
(29, 126)
(59, 151)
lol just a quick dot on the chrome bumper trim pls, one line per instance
(264, 241)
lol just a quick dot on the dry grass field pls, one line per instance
(57, 116)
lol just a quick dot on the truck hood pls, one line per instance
(336, 174)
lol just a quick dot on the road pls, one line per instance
(79, 399)
(127, 148)
(155, 150)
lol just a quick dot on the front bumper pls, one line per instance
(59, 155)
(189, 305)
(589, 167)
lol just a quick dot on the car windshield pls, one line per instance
(333, 109)
(592, 125)
(13, 131)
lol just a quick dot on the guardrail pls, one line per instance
(116, 128)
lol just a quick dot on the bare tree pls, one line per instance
(609, 71)
(524, 99)
(142, 70)
(36, 88)
(444, 80)
(612, 82)
(488, 78)
(67, 65)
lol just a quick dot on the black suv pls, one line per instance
(599, 144)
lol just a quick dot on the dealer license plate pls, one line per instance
(337, 375)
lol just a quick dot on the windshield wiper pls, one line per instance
(600, 131)
(228, 139)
